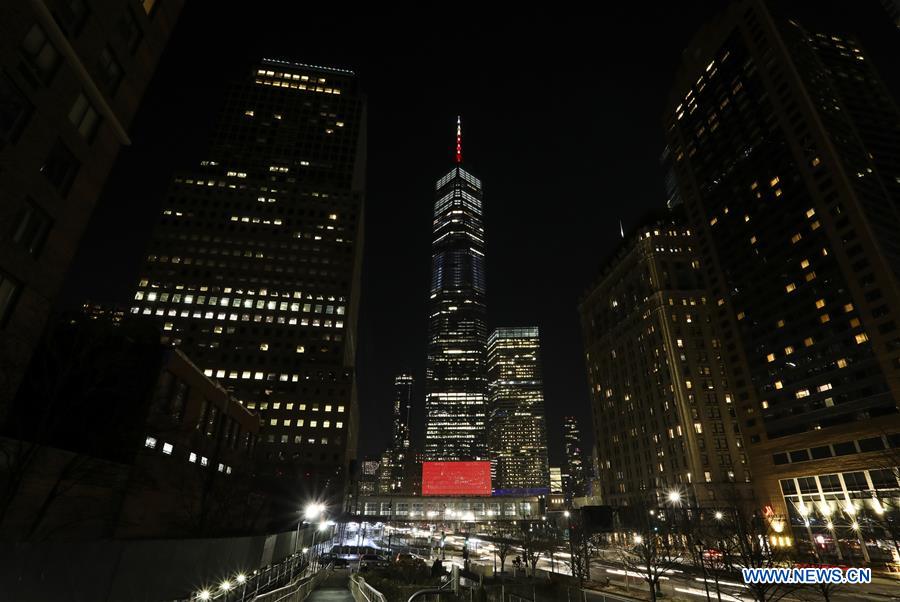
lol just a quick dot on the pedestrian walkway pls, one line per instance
(333, 588)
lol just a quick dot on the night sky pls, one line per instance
(561, 120)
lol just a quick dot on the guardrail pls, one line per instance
(293, 592)
(363, 592)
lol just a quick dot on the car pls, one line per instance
(406, 559)
(340, 563)
(372, 561)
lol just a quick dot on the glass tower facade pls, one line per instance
(254, 267)
(456, 381)
(517, 431)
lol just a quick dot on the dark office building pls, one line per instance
(517, 432)
(785, 145)
(254, 267)
(574, 477)
(662, 409)
(71, 80)
(398, 453)
(456, 380)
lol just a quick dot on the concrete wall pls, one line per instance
(139, 571)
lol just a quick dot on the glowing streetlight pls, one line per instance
(567, 514)
(854, 526)
(305, 550)
(323, 526)
(718, 515)
(638, 539)
(204, 595)
(241, 578)
(225, 585)
(674, 496)
(313, 511)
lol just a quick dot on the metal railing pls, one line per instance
(293, 592)
(363, 592)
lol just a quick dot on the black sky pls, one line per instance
(561, 118)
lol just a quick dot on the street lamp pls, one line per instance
(567, 514)
(674, 496)
(225, 585)
(313, 511)
(204, 595)
(718, 515)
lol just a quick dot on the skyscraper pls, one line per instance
(661, 404)
(455, 380)
(71, 80)
(785, 156)
(573, 483)
(254, 267)
(517, 434)
(403, 392)
(398, 454)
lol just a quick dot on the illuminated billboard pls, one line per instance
(456, 478)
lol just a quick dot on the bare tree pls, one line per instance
(748, 545)
(654, 549)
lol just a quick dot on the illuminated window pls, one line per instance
(815, 162)
(823, 388)
(167, 448)
(774, 181)
(861, 338)
(328, 407)
(854, 322)
(740, 316)
(765, 404)
(340, 408)
(802, 393)
(150, 442)
(698, 428)
(790, 287)
(780, 323)
(808, 341)
(263, 346)
(804, 264)
(778, 384)
(810, 212)
(796, 238)
(842, 363)
(848, 307)
(770, 357)
(824, 318)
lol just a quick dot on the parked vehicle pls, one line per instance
(406, 559)
(373, 561)
(340, 563)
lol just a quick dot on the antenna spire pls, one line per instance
(458, 140)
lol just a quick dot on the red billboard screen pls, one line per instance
(456, 478)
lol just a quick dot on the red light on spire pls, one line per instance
(458, 140)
